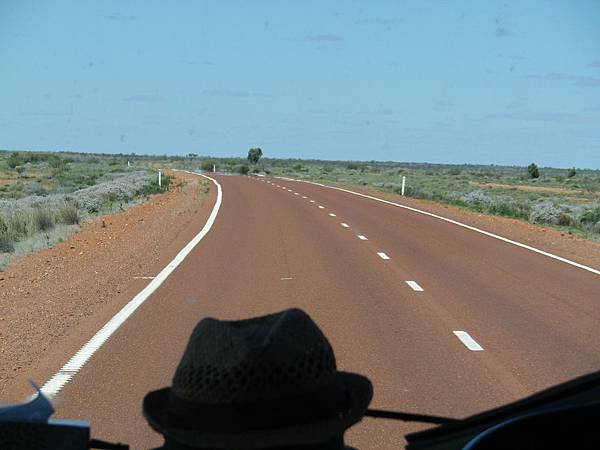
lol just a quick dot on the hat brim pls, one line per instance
(359, 389)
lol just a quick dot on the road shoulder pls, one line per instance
(54, 300)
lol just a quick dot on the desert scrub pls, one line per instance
(153, 187)
(545, 213)
(121, 189)
(29, 223)
(7, 245)
(68, 214)
(478, 198)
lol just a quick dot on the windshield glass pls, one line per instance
(421, 178)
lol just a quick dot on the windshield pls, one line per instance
(421, 178)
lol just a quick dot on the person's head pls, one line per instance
(269, 382)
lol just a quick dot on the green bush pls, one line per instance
(207, 166)
(68, 214)
(591, 216)
(153, 188)
(533, 171)
(243, 169)
(7, 245)
(15, 160)
(42, 219)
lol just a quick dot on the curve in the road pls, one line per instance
(74, 365)
(455, 222)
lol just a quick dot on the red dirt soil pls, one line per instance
(79, 284)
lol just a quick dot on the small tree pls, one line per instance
(15, 160)
(208, 166)
(533, 171)
(572, 173)
(254, 155)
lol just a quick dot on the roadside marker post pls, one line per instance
(214, 168)
(403, 183)
(159, 178)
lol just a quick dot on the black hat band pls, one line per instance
(322, 403)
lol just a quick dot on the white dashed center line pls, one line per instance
(312, 201)
(362, 238)
(295, 193)
(345, 225)
(383, 255)
(304, 196)
(286, 278)
(332, 214)
(415, 286)
(321, 207)
(469, 342)
(289, 190)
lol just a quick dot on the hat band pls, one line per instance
(325, 402)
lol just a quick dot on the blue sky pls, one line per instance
(507, 82)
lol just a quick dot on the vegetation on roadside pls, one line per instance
(567, 199)
(45, 196)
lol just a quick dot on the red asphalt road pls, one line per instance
(537, 319)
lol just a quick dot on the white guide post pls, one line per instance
(403, 183)
(159, 178)
(214, 168)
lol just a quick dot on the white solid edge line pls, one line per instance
(464, 225)
(345, 225)
(415, 286)
(362, 237)
(468, 341)
(64, 375)
(383, 255)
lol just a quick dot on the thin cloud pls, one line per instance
(553, 76)
(594, 64)
(119, 16)
(232, 93)
(587, 82)
(145, 98)
(377, 112)
(321, 38)
(577, 80)
(554, 117)
(44, 113)
(375, 21)
(501, 30)
(192, 62)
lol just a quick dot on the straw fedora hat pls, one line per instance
(265, 382)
